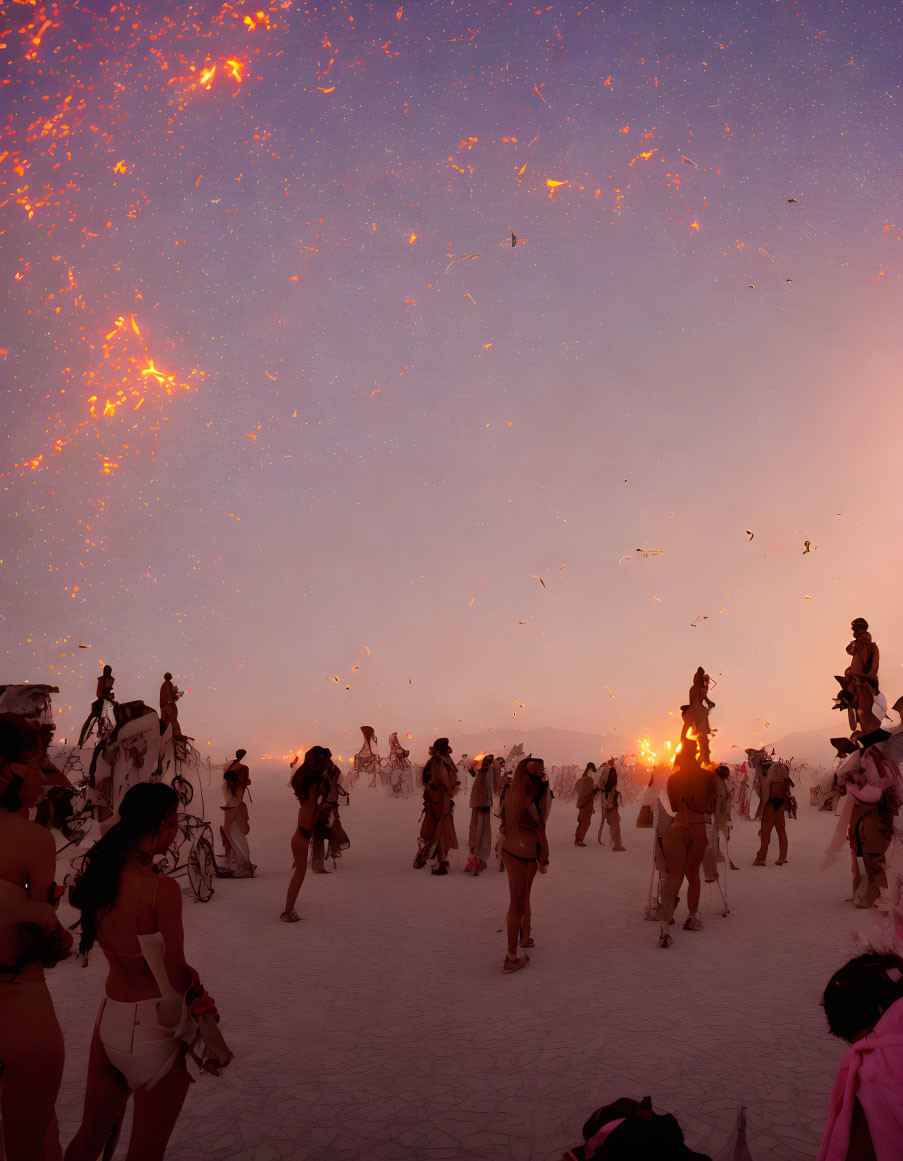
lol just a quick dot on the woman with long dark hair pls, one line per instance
(525, 850)
(147, 1036)
(31, 1043)
(311, 785)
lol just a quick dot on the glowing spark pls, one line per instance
(642, 157)
(150, 369)
(462, 258)
(553, 184)
(412, 239)
(234, 68)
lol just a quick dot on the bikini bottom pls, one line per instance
(137, 1044)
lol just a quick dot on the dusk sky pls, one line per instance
(288, 413)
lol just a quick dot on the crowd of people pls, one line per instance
(158, 1027)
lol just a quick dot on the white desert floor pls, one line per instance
(381, 1025)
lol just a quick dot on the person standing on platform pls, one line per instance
(169, 714)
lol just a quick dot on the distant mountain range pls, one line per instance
(812, 746)
(556, 747)
(562, 747)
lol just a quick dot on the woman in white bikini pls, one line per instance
(147, 1036)
(31, 1043)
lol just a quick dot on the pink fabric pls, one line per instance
(871, 1070)
(599, 1139)
(865, 793)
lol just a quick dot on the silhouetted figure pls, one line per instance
(859, 684)
(169, 714)
(696, 714)
(103, 694)
(440, 785)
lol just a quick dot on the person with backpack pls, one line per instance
(630, 1130)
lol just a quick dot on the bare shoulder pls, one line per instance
(27, 836)
(169, 894)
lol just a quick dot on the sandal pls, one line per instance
(290, 917)
(515, 965)
(665, 940)
(529, 942)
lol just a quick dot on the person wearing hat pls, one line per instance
(437, 831)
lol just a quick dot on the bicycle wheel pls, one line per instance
(183, 788)
(201, 866)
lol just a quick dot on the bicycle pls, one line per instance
(199, 865)
(102, 724)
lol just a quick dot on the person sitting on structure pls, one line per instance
(103, 695)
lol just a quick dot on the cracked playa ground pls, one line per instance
(382, 1027)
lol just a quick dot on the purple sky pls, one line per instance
(366, 457)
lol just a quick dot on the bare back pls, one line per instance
(136, 912)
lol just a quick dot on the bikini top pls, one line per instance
(153, 949)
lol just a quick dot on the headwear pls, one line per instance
(859, 621)
(442, 745)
